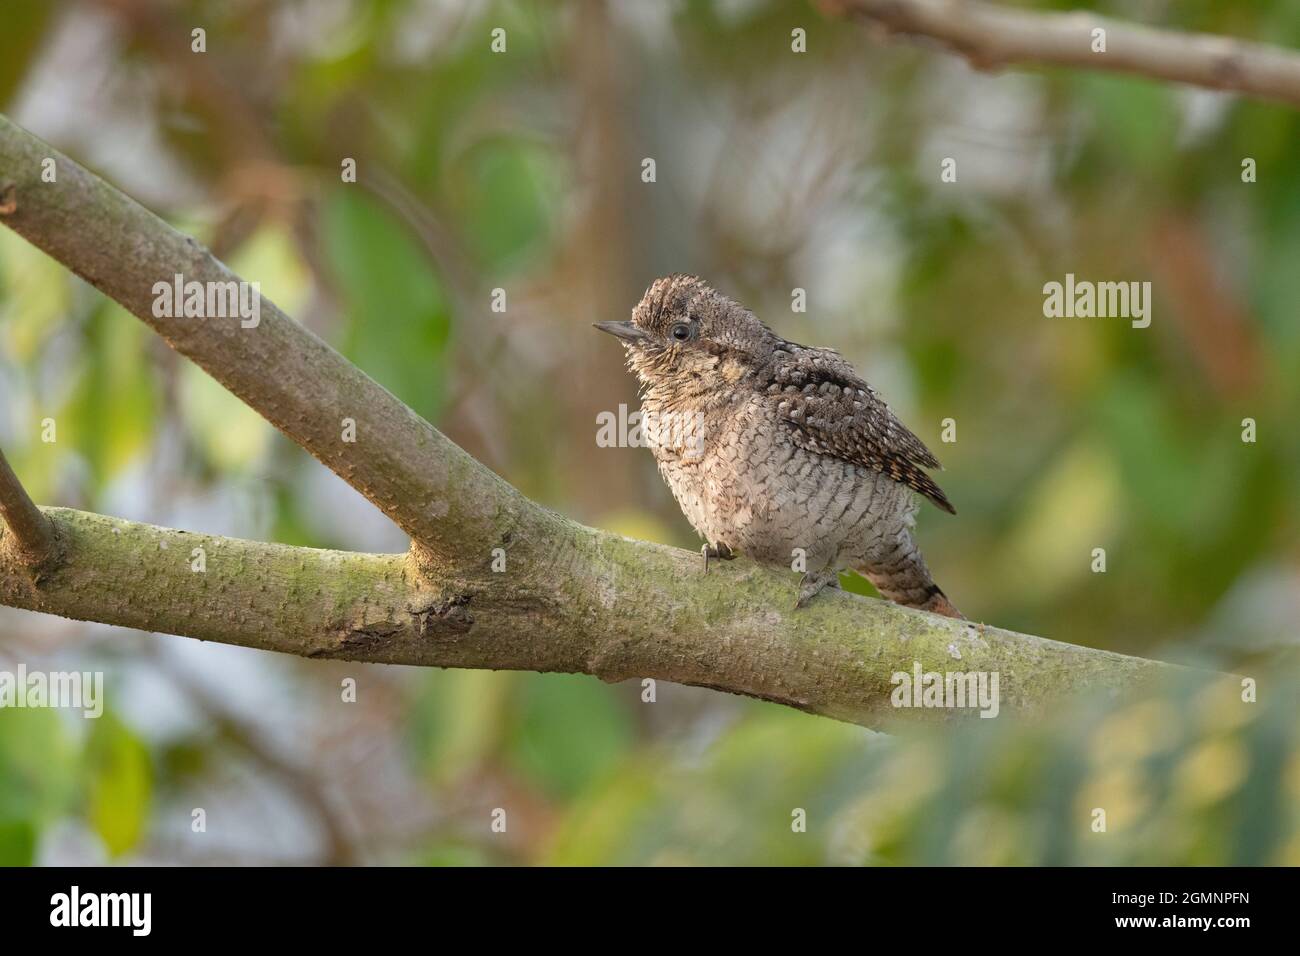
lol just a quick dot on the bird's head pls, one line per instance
(688, 337)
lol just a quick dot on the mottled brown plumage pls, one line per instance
(776, 450)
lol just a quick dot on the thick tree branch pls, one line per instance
(991, 36)
(606, 606)
(569, 599)
(30, 534)
(439, 495)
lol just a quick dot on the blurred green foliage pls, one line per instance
(119, 772)
(1190, 776)
(38, 766)
(384, 283)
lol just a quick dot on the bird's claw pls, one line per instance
(721, 552)
(811, 585)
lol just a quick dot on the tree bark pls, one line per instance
(32, 536)
(603, 605)
(431, 488)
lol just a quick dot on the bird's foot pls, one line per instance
(721, 552)
(811, 585)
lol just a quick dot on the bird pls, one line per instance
(777, 451)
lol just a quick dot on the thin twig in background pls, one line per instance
(300, 782)
(991, 37)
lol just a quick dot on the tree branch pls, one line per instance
(433, 490)
(31, 534)
(571, 598)
(990, 37)
(607, 606)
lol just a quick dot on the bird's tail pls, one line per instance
(902, 577)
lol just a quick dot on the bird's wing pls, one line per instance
(831, 411)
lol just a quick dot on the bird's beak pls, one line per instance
(624, 330)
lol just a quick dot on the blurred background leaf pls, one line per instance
(119, 783)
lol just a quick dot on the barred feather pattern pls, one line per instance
(833, 412)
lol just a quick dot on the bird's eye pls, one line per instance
(681, 331)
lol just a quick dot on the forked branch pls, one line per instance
(566, 598)
(30, 533)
